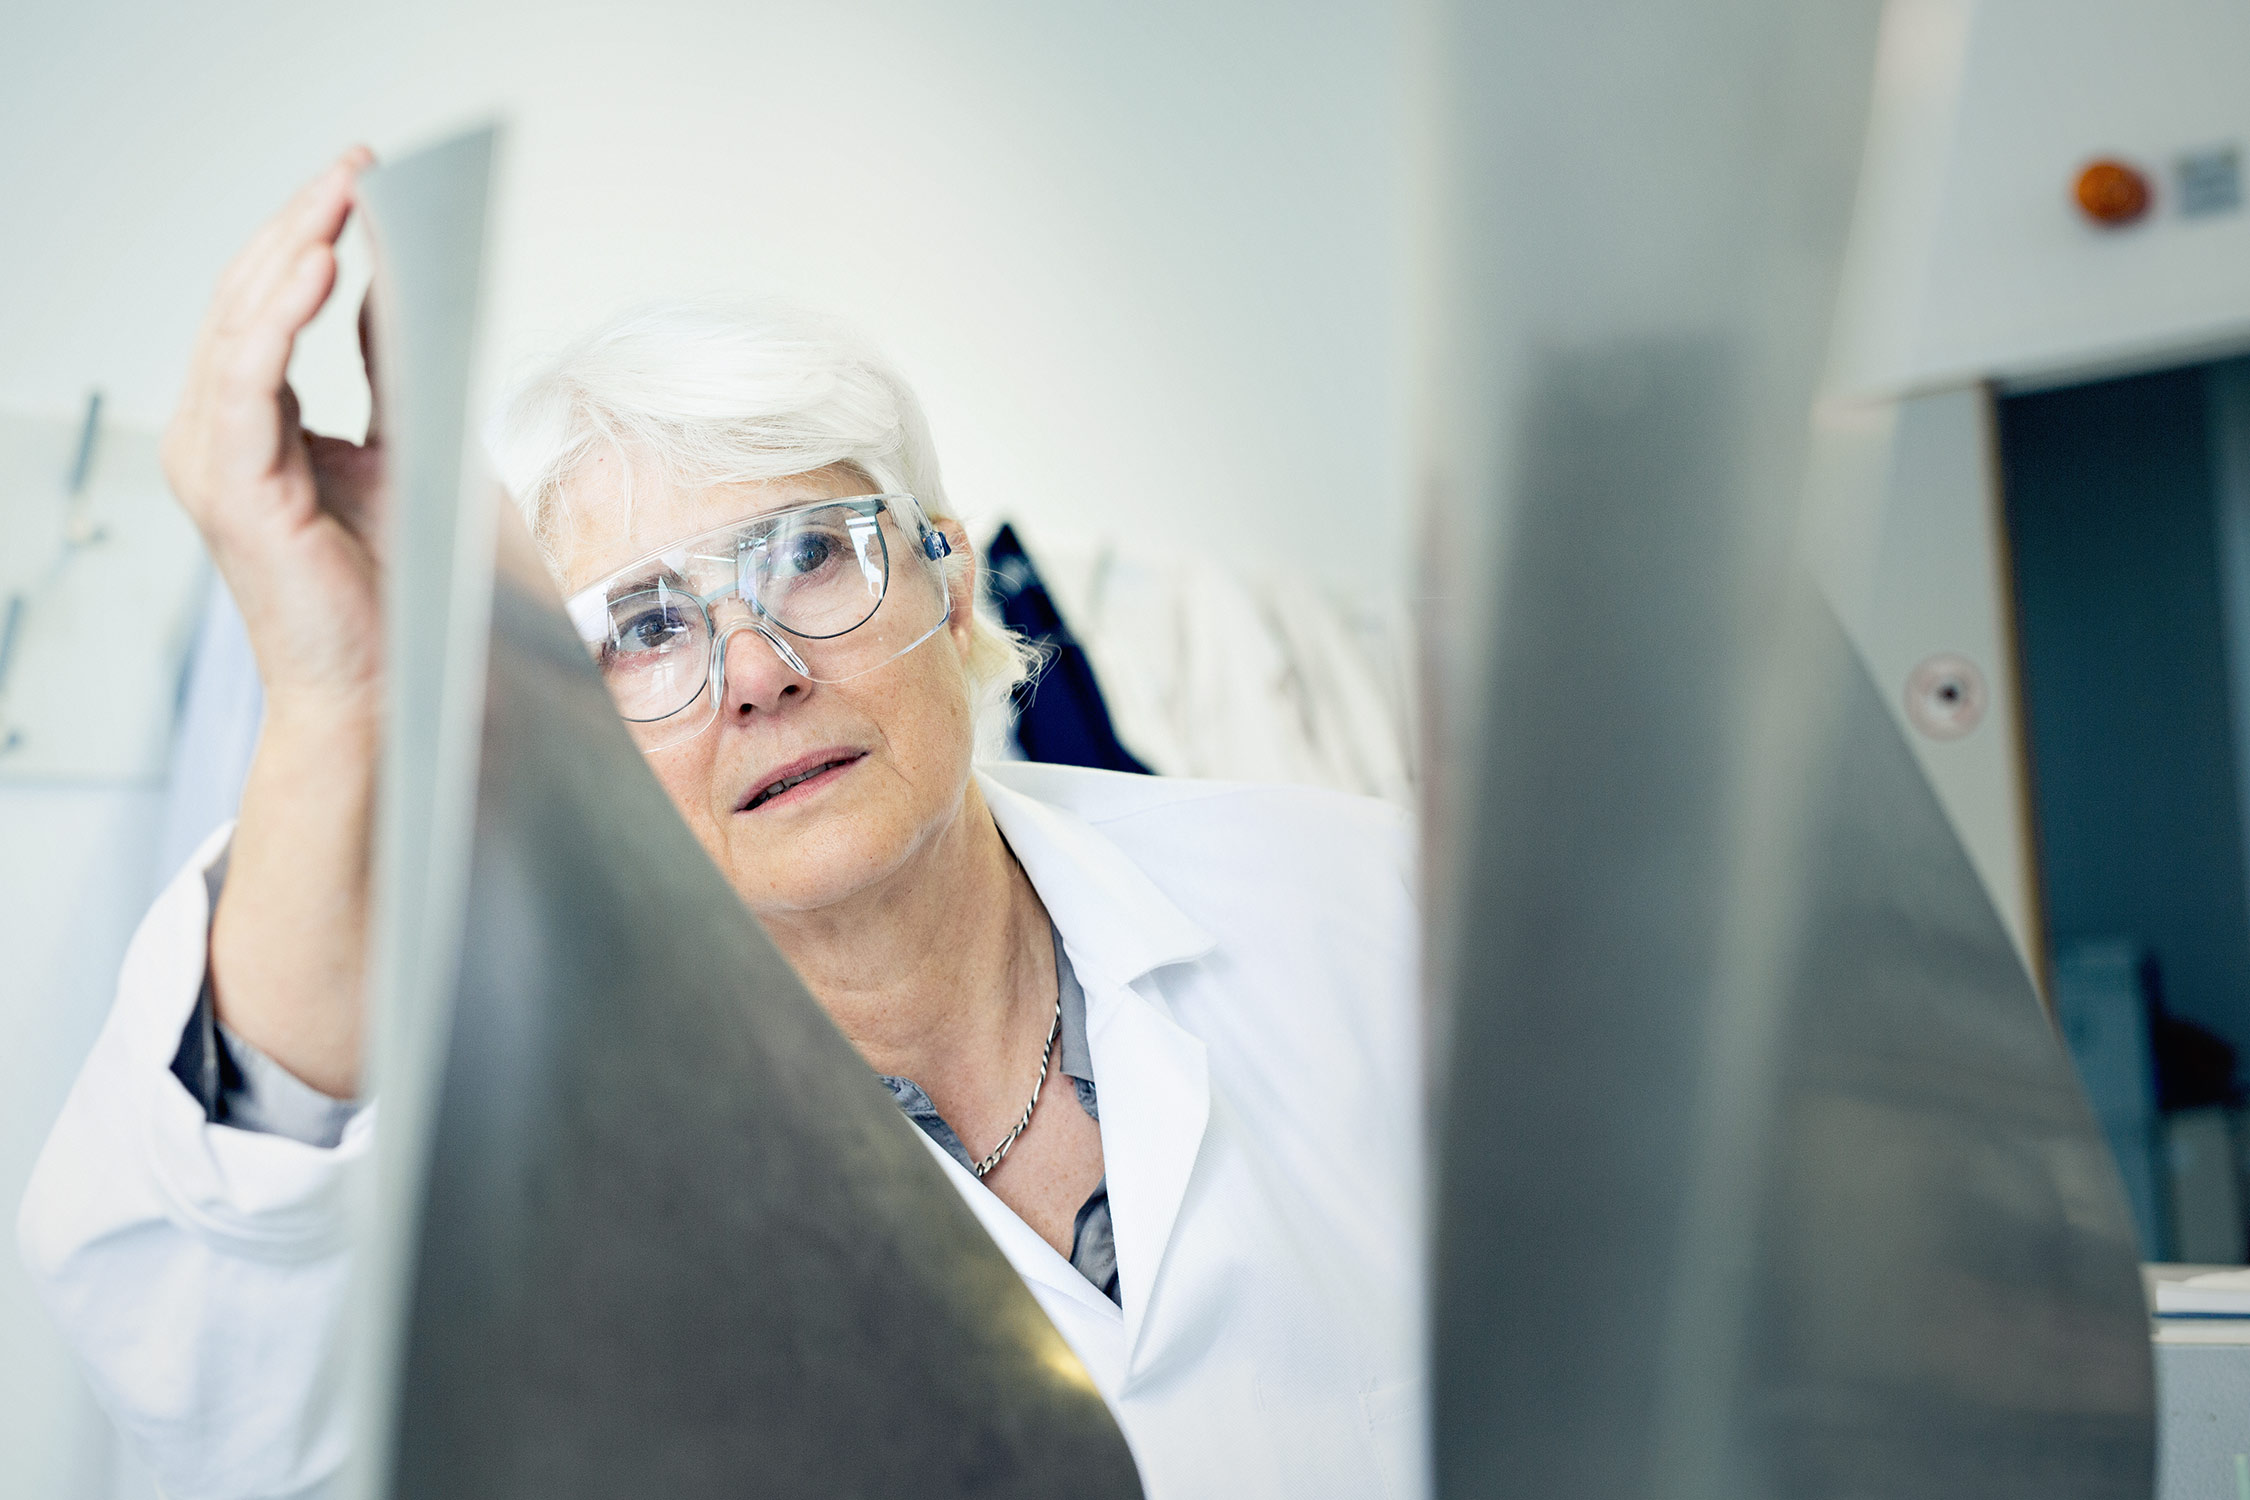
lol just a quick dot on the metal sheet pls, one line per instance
(1947, 1300)
(1759, 1171)
(428, 215)
(672, 1236)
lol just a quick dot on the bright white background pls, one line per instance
(1143, 261)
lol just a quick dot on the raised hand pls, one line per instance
(291, 520)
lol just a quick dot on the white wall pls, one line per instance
(82, 798)
(1143, 261)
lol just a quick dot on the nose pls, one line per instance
(758, 671)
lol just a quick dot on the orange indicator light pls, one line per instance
(2112, 194)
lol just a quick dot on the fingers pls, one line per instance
(314, 217)
(272, 290)
(247, 368)
(328, 195)
(236, 426)
(298, 290)
(274, 265)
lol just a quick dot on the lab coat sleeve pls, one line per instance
(197, 1269)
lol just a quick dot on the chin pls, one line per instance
(816, 868)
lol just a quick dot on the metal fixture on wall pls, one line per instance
(78, 530)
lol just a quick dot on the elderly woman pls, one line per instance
(1218, 1213)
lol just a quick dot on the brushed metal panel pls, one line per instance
(1866, 1160)
(669, 1235)
(427, 218)
(1759, 1171)
(1946, 1298)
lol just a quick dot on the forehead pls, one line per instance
(616, 514)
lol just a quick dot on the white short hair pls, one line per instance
(715, 394)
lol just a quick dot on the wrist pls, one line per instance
(314, 750)
(351, 713)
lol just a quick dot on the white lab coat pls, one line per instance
(1248, 960)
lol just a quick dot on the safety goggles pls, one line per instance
(836, 589)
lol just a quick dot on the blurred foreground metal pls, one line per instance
(1760, 1172)
(648, 1224)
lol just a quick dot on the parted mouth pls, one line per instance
(793, 776)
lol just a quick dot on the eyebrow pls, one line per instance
(658, 570)
(632, 583)
(628, 582)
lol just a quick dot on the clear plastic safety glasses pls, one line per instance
(836, 589)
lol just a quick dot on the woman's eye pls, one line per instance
(657, 629)
(806, 552)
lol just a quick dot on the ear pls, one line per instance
(963, 580)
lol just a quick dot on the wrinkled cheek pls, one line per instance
(937, 742)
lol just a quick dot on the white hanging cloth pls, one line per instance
(1270, 676)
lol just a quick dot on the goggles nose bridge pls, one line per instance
(753, 622)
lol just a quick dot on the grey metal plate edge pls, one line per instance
(427, 216)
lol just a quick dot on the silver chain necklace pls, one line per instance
(1053, 1030)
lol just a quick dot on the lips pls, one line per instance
(796, 774)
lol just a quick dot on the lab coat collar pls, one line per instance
(1118, 924)
(1033, 1258)
(1154, 1075)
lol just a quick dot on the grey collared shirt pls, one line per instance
(1093, 1241)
